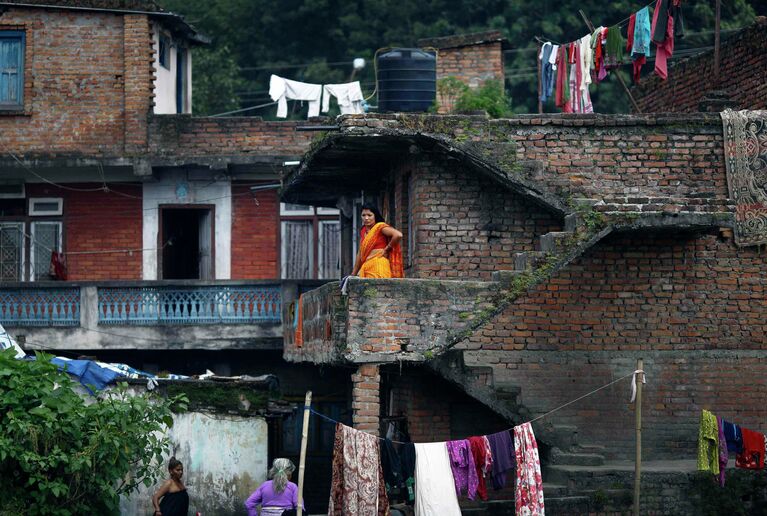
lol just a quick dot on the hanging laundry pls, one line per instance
(585, 62)
(575, 78)
(349, 97)
(502, 449)
(280, 90)
(724, 455)
(553, 63)
(614, 47)
(298, 337)
(528, 495)
(640, 46)
(357, 485)
(676, 11)
(733, 435)
(463, 467)
(483, 462)
(434, 486)
(407, 461)
(630, 32)
(708, 443)
(752, 456)
(663, 37)
(562, 87)
(58, 268)
(547, 71)
(392, 467)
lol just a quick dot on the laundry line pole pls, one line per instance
(638, 379)
(302, 458)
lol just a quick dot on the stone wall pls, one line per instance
(692, 306)
(742, 76)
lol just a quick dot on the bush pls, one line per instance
(489, 97)
(63, 455)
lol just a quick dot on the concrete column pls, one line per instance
(366, 398)
(347, 245)
(89, 307)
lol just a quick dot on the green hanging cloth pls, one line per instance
(614, 47)
(708, 443)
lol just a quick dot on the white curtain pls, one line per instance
(297, 249)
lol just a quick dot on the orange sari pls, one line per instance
(374, 264)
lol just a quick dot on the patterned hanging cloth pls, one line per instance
(357, 485)
(529, 491)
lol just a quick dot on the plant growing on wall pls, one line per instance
(63, 454)
(489, 97)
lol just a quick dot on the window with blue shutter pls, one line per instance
(11, 69)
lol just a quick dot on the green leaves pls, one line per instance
(61, 455)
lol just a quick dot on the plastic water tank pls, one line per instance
(407, 79)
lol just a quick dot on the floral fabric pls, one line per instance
(529, 489)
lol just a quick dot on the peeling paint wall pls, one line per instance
(225, 460)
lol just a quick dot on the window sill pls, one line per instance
(15, 111)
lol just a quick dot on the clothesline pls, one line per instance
(633, 374)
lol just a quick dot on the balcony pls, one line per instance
(387, 320)
(149, 314)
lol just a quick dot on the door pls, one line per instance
(186, 242)
(180, 80)
(205, 240)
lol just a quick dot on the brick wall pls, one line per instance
(184, 135)
(692, 306)
(138, 54)
(366, 399)
(467, 226)
(94, 222)
(75, 80)
(255, 233)
(471, 58)
(743, 65)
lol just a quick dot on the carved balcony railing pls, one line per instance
(40, 307)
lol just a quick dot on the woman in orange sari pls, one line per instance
(380, 255)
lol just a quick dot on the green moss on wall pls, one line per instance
(224, 397)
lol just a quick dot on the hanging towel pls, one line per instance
(733, 435)
(502, 448)
(642, 32)
(752, 456)
(528, 495)
(357, 483)
(563, 80)
(434, 486)
(708, 443)
(724, 455)
(349, 97)
(463, 467)
(483, 462)
(586, 61)
(630, 32)
(280, 90)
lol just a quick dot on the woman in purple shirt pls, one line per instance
(278, 496)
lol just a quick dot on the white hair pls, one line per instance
(280, 472)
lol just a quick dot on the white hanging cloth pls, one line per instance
(434, 484)
(280, 90)
(349, 97)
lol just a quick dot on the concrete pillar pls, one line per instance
(366, 398)
(89, 307)
(347, 245)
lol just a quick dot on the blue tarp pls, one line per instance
(88, 372)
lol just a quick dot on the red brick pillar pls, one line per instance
(366, 398)
(138, 80)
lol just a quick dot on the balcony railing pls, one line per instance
(148, 303)
(40, 307)
(195, 305)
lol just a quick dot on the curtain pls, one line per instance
(330, 250)
(297, 249)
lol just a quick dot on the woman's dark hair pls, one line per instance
(173, 463)
(376, 213)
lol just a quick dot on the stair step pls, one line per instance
(555, 241)
(583, 201)
(563, 437)
(528, 260)
(554, 490)
(577, 459)
(505, 277)
(591, 448)
(566, 504)
(572, 221)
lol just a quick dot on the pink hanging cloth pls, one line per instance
(529, 490)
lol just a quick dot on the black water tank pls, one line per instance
(407, 79)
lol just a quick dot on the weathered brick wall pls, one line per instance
(323, 328)
(255, 233)
(74, 82)
(467, 226)
(743, 65)
(138, 53)
(691, 306)
(171, 135)
(366, 398)
(98, 228)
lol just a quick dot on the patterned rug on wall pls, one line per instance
(745, 152)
